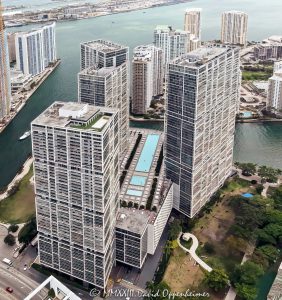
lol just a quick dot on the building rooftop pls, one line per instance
(199, 56)
(75, 115)
(94, 71)
(143, 52)
(134, 220)
(235, 12)
(104, 46)
(272, 40)
(170, 30)
(188, 10)
(35, 30)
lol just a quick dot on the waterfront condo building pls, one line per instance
(202, 101)
(101, 53)
(147, 77)
(275, 88)
(76, 170)
(5, 85)
(173, 42)
(269, 49)
(234, 25)
(36, 49)
(104, 80)
(192, 24)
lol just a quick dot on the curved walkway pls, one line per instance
(192, 251)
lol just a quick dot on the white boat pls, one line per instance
(25, 135)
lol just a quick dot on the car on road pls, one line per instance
(25, 267)
(9, 290)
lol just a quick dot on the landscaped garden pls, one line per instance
(19, 206)
(231, 226)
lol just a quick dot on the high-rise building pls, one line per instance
(5, 85)
(202, 100)
(147, 77)
(192, 22)
(173, 42)
(234, 25)
(76, 170)
(275, 87)
(101, 53)
(36, 49)
(104, 80)
(269, 49)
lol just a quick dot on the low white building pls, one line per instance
(19, 80)
(51, 283)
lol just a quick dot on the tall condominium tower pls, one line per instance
(147, 76)
(202, 100)
(105, 82)
(36, 49)
(102, 53)
(234, 26)
(76, 170)
(173, 42)
(5, 85)
(192, 22)
(275, 87)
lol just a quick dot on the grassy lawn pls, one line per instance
(248, 75)
(181, 274)
(20, 207)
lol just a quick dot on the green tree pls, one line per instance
(28, 232)
(249, 167)
(174, 230)
(217, 279)
(259, 188)
(209, 248)
(270, 174)
(246, 292)
(269, 252)
(157, 291)
(10, 240)
(248, 273)
(13, 228)
(51, 293)
(274, 230)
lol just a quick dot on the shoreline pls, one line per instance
(45, 74)
(19, 176)
(102, 14)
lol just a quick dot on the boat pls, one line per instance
(25, 135)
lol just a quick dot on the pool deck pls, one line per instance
(130, 182)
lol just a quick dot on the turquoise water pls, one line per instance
(247, 114)
(134, 193)
(138, 180)
(258, 143)
(147, 155)
(248, 195)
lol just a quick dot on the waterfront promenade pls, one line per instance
(21, 97)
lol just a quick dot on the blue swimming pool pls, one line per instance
(247, 114)
(134, 193)
(138, 180)
(248, 195)
(147, 154)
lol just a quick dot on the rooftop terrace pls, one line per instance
(199, 56)
(104, 46)
(76, 115)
